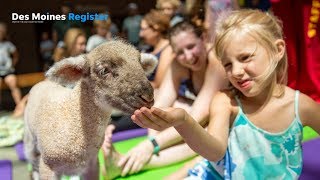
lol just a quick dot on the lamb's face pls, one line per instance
(117, 77)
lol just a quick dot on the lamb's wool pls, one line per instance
(67, 114)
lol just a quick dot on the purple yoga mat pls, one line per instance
(5, 170)
(20, 151)
(128, 134)
(311, 160)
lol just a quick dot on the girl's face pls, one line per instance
(189, 50)
(244, 60)
(148, 34)
(168, 9)
(79, 46)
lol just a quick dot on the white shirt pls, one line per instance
(6, 49)
(94, 41)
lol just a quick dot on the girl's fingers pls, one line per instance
(160, 113)
(140, 167)
(123, 160)
(146, 121)
(134, 168)
(154, 118)
(110, 128)
(128, 166)
(137, 121)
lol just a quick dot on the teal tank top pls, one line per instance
(254, 153)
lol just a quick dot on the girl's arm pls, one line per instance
(168, 91)
(164, 63)
(309, 112)
(213, 82)
(210, 144)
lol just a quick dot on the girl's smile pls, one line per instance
(245, 84)
(189, 50)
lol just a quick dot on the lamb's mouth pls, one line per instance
(127, 108)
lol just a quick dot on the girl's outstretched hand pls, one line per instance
(158, 119)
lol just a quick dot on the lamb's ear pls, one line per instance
(69, 70)
(149, 62)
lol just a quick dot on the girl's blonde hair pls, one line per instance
(69, 41)
(265, 28)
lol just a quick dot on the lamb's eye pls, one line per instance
(104, 71)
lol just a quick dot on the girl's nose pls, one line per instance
(237, 70)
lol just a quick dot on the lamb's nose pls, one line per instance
(148, 100)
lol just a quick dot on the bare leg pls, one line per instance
(11, 81)
(19, 109)
(111, 156)
(183, 172)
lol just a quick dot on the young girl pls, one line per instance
(8, 60)
(102, 34)
(254, 132)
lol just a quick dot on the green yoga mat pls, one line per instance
(154, 174)
(160, 173)
(309, 133)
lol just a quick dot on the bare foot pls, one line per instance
(20, 107)
(111, 156)
(18, 111)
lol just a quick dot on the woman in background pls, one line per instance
(74, 44)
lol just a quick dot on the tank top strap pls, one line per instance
(238, 102)
(296, 105)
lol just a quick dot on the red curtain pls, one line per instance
(301, 28)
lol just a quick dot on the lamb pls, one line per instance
(64, 126)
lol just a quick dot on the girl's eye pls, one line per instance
(246, 57)
(243, 58)
(227, 65)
